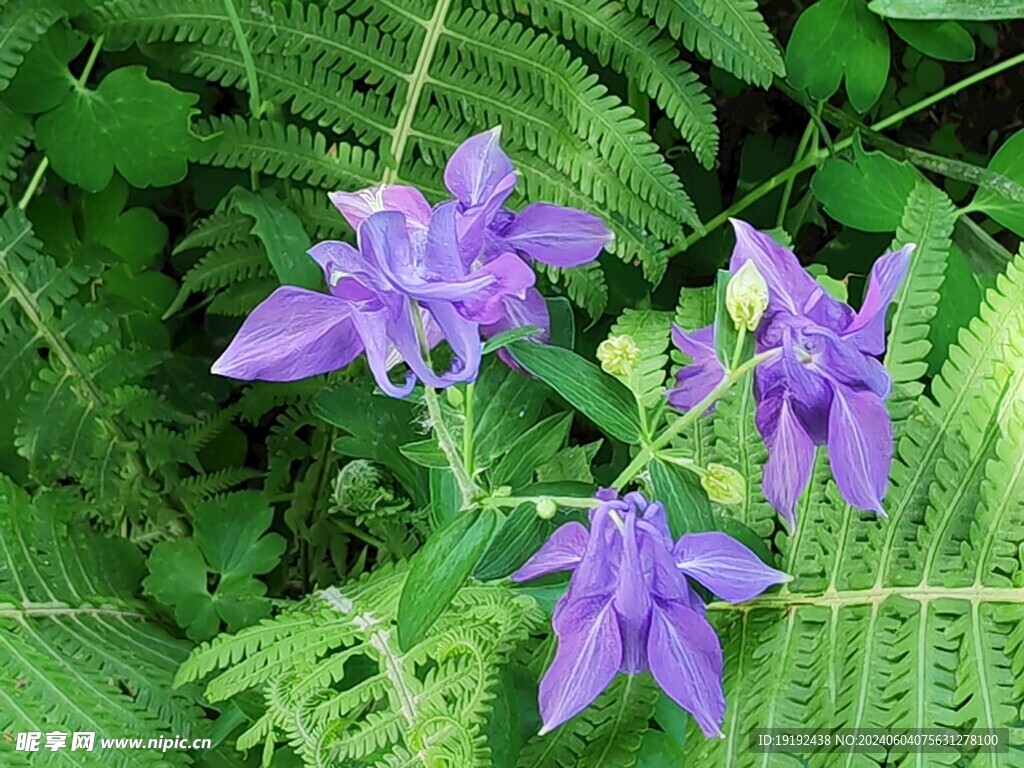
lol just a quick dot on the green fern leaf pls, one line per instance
(928, 220)
(79, 652)
(730, 33)
(913, 622)
(431, 701)
(607, 733)
(22, 24)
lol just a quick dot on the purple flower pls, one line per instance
(630, 607)
(480, 176)
(826, 387)
(376, 293)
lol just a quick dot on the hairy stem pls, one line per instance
(451, 452)
(467, 430)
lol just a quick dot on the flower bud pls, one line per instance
(723, 485)
(546, 509)
(746, 297)
(454, 397)
(618, 355)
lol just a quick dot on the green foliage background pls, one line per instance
(184, 555)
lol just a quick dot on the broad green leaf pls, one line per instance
(945, 40)
(532, 449)
(868, 193)
(230, 541)
(138, 126)
(503, 339)
(445, 497)
(563, 322)
(964, 10)
(438, 570)
(836, 288)
(1008, 161)
(595, 394)
(283, 236)
(43, 80)
(834, 39)
(686, 504)
(517, 539)
(572, 464)
(232, 533)
(506, 405)
(425, 453)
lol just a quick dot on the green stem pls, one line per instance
(574, 502)
(787, 190)
(814, 157)
(37, 177)
(741, 337)
(448, 447)
(649, 451)
(445, 439)
(467, 431)
(255, 100)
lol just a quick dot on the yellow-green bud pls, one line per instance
(618, 355)
(454, 396)
(746, 297)
(546, 509)
(723, 485)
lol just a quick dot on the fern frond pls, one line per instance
(731, 34)
(287, 152)
(431, 700)
(366, 71)
(79, 652)
(22, 24)
(631, 46)
(607, 732)
(928, 220)
(650, 330)
(14, 140)
(915, 622)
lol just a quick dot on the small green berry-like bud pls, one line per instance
(546, 509)
(454, 397)
(746, 297)
(723, 485)
(618, 355)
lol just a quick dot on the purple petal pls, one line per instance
(346, 272)
(686, 661)
(506, 277)
(479, 172)
(375, 329)
(562, 552)
(632, 601)
(789, 284)
(790, 454)
(519, 313)
(292, 334)
(562, 237)
(840, 361)
(462, 336)
(588, 658)
(695, 381)
(598, 571)
(860, 447)
(867, 330)
(725, 566)
(358, 206)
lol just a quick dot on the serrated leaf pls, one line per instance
(137, 126)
